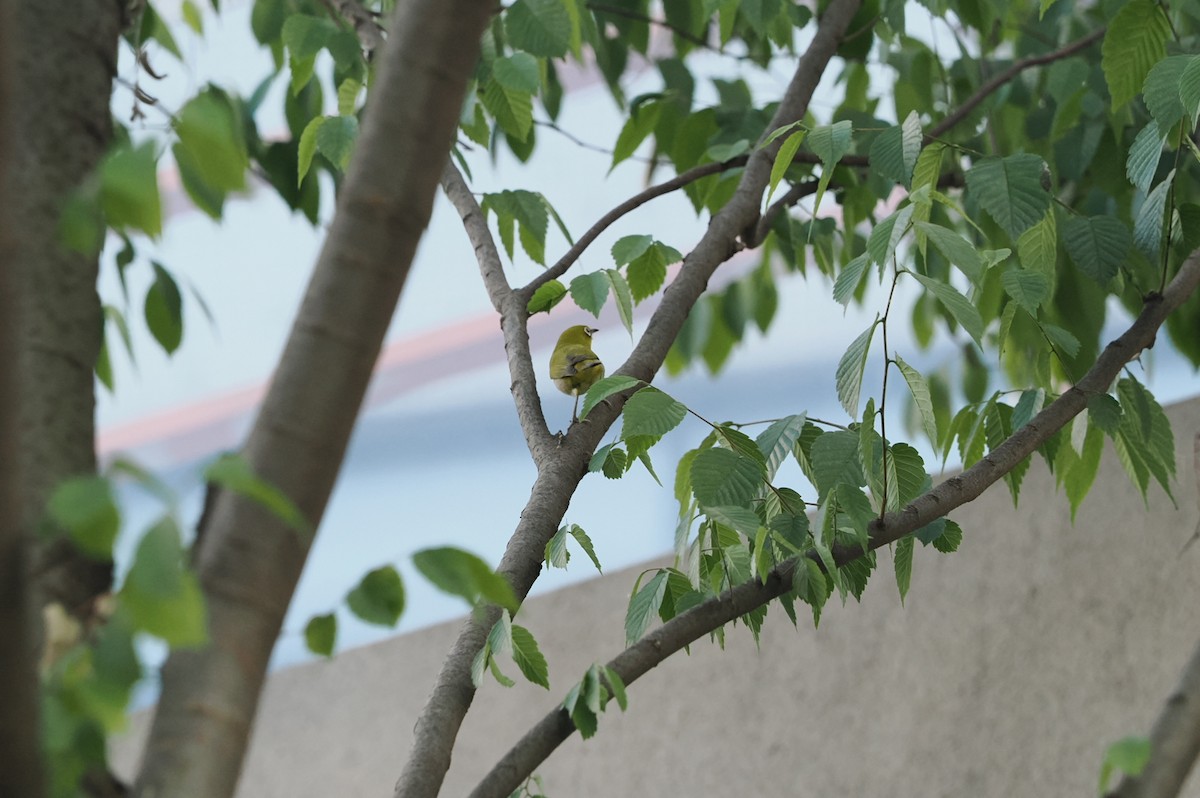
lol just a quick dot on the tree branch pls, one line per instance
(363, 21)
(633, 203)
(512, 310)
(541, 740)
(1174, 741)
(248, 559)
(560, 472)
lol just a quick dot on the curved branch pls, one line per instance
(541, 740)
(1174, 741)
(564, 466)
(511, 308)
(984, 91)
(633, 203)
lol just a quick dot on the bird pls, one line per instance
(574, 367)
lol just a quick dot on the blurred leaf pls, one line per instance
(379, 597)
(461, 573)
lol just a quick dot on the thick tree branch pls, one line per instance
(19, 730)
(513, 315)
(541, 740)
(1174, 741)
(633, 203)
(560, 473)
(248, 559)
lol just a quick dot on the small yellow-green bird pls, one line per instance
(574, 367)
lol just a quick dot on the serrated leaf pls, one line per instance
(546, 297)
(950, 539)
(1161, 91)
(617, 687)
(590, 291)
(1097, 245)
(895, 151)
(921, 397)
(528, 656)
(629, 248)
(724, 477)
(556, 554)
(742, 519)
(742, 444)
(886, 235)
(1148, 224)
(540, 27)
(783, 159)
(622, 297)
(585, 543)
(1028, 288)
(1010, 190)
(849, 278)
(1037, 248)
(511, 108)
(1078, 480)
(1144, 155)
(777, 440)
(966, 314)
(461, 573)
(1062, 339)
(850, 370)
(651, 412)
(829, 143)
(640, 124)
(605, 388)
(834, 458)
(347, 96)
(1135, 42)
(957, 249)
(644, 606)
(1189, 90)
(903, 563)
(335, 139)
(379, 597)
(648, 271)
(1104, 412)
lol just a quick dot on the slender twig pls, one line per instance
(1001, 78)
(636, 201)
(617, 11)
(587, 145)
(887, 365)
(545, 736)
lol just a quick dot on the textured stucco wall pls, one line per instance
(1014, 664)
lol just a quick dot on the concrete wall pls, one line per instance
(1014, 664)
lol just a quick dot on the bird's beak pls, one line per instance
(591, 330)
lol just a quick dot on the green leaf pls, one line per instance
(308, 146)
(233, 472)
(210, 130)
(921, 397)
(957, 250)
(617, 687)
(742, 444)
(347, 96)
(1028, 288)
(164, 310)
(622, 297)
(848, 279)
(461, 573)
(783, 159)
(1062, 339)
(1161, 91)
(724, 477)
(1144, 438)
(1148, 225)
(1135, 42)
(903, 563)
(164, 598)
(529, 657)
(1078, 480)
(777, 440)
(1098, 245)
(1189, 90)
(850, 370)
(605, 388)
(950, 539)
(590, 291)
(1129, 755)
(85, 508)
(585, 543)
(651, 412)
(960, 308)
(129, 189)
(895, 151)
(641, 123)
(1104, 412)
(742, 519)
(1010, 190)
(1037, 248)
(556, 554)
(379, 597)
(830, 143)
(305, 36)
(886, 235)
(546, 297)
(511, 108)
(320, 634)
(335, 139)
(648, 271)
(759, 13)
(540, 27)
(1144, 155)
(630, 248)
(835, 460)
(644, 606)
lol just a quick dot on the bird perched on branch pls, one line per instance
(574, 367)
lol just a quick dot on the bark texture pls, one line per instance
(20, 754)
(65, 61)
(249, 561)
